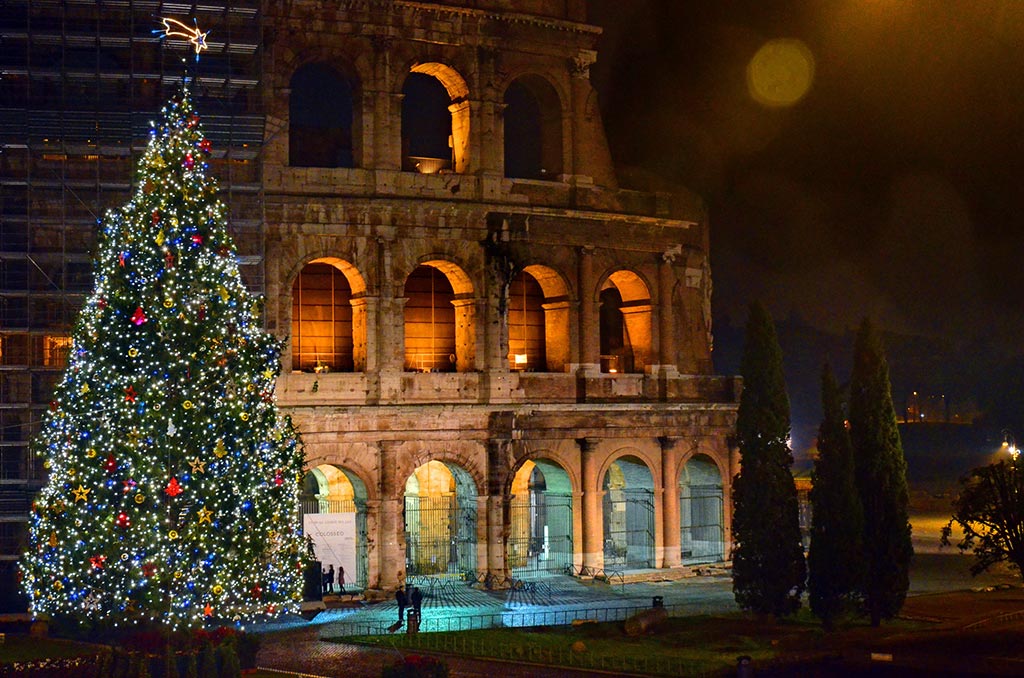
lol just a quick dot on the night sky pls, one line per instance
(892, 189)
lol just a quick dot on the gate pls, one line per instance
(702, 536)
(310, 505)
(440, 535)
(629, 528)
(540, 536)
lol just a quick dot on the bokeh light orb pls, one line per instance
(780, 73)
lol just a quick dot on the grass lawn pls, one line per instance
(682, 646)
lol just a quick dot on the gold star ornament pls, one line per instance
(81, 494)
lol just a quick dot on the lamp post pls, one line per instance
(1010, 444)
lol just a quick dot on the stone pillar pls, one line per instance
(590, 330)
(496, 534)
(373, 559)
(556, 335)
(465, 334)
(462, 163)
(579, 69)
(384, 112)
(637, 319)
(593, 511)
(666, 315)
(391, 534)
(670, 502)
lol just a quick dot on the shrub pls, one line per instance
(416, 666)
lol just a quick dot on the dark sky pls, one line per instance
(892, 189)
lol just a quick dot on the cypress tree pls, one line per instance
(834, 561)
(768, 557)
(881, 477)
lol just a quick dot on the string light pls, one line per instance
(173, 486)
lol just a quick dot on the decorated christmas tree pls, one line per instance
(173, 479)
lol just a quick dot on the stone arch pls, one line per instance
(540, 517)
(328, 316)
(625, 322)
(532, 128)
(628, 513)
(701, 510)
(439, 318)
(324, 116)
(440, 519)
(334, 514)
(538, 320)
(418, 89)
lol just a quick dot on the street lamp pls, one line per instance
(1010, 444)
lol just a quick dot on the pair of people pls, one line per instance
(328, 579)
(414, 599)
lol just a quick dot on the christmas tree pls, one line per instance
(173, 479)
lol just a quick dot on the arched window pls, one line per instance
(538, 321)
(440, 319)
(435, 120)
(328, 318)
(440, 520)
(625, 323)
(320, 109)
(533, 129)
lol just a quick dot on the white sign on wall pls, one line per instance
(334, 538)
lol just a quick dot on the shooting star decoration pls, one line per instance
(174, 28)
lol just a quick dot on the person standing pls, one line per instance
(330, 579)
(323, 580)
(416, 597)
(341, 578)
(402, 601)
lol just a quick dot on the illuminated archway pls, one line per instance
(329, 318)
(625, 323)
(701, 513)
(628, 515)
(440, 319)
(328, 489)
(538, 321)
(435, 119)
(540, 519)
(440, 520)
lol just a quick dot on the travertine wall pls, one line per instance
(577, 233)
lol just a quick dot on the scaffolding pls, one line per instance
(81, 81)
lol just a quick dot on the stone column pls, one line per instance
(666, 315)
(670, 502)
(466, 335)
(579, 69)
(385, 111)
(391, 535)
(590, 331)
(593, 516)
(556, 334)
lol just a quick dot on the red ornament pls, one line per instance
(173, 488)
(111, 465)
(139, 316)
(278, 480)
(208, 610)
(98, 561)
(102, 303)
(122, 520)
(120, 259)
(129, 394)
(189, 161)
(53, 405)
(205, 146)
(197, 239)
(129, 485)
(169, 260)
(148, 570)
(193, 121)
(156, 217)
(202, 312)
(257, 592)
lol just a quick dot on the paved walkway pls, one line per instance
(300, 646)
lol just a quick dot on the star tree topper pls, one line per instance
(174, 28)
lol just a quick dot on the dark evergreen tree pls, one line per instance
(768, 556)
(835, 558)
(881, 476)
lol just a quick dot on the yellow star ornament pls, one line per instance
(197, 465)
(81, 494)
(205, 515)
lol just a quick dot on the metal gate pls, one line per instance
(702, 534)
(357, 506)
(440, 535)
(540, 534)
(629, 528)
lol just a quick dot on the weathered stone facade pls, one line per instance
(605, 268)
